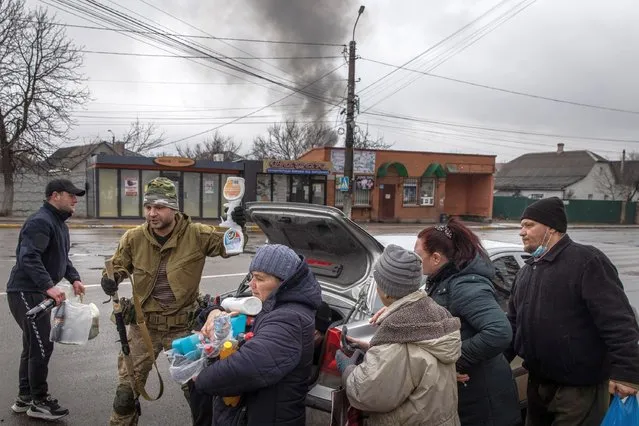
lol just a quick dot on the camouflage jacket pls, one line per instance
(139, 253)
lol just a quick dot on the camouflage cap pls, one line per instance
(161, 191)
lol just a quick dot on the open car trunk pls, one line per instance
(338, 251)
(340, 254)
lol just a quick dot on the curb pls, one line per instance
(249, 228)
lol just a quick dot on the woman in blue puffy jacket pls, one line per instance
(271, 370)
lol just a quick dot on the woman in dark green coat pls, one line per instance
(459, 279)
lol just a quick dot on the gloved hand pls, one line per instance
(239, 216)
(343, 361)
(109, 286)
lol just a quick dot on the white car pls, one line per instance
(341, 255)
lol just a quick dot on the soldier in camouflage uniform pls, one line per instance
(165, 257)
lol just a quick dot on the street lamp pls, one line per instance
(350, 122)
(112, 135)
(359, 13)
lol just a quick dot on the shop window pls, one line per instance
(148, 176)
(427, 192)
(280, 188)
(210, 195)
(361, 193)
(318, 190)
(129, 193)
(192, 194)
(409, 192)
(419, 191)
(299, 189)
(108, 192)
(263, 187)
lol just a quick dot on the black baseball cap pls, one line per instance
(63, 185)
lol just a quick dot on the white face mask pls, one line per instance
(543, 247)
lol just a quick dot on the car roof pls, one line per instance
(407, 241)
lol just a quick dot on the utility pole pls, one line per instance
(350, 122)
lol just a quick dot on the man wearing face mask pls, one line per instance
(572, 324)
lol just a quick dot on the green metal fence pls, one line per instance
(578, 211)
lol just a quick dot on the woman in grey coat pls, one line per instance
(459, 279)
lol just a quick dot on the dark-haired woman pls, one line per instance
(459, 279)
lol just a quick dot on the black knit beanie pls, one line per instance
(548, 211)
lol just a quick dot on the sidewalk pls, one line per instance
(373, 227)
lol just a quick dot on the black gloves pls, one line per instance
(109, 286)
(239, 216)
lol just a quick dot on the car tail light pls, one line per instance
(333, 338)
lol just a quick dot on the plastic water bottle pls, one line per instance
(234, 237)
(244, 305)
(188, 344)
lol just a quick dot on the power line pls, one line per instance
(214, 83)
(472, 39)
(115, 17)
(476, 135)
(209, 34)
(158, 55)
(248, 40)
(255, 111)
(493, 129)
(513, 92)
(436, 45)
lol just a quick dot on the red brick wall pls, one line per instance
(468, 192)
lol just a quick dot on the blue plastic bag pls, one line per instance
(622, 413)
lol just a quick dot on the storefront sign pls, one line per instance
(364, 182)
(174, 161)
(363, 161)
(131, 186)
(292, 167)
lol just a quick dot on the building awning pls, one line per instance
(434, 170)
(399, 167)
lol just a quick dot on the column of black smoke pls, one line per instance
(309, 21)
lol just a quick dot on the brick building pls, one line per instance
(411, 186)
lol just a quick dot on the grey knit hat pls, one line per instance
(398, 272)
(275, 259)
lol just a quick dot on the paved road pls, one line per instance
(83, 377)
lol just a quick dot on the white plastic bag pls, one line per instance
(74, 327)
(184, 368)
(95, 321)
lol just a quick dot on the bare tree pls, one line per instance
(39, 87)
(622, 182)
(607, 184)
(364, 140)
(217, 144)
(289, 140)
(142, 138)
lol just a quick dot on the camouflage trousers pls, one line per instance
(124, 413)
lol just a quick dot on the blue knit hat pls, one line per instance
(275, 259)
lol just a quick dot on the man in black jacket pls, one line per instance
(572, 324)
(42, 260)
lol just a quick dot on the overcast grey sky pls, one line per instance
(583, 51)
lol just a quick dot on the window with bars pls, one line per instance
(410, 192)
(361, 197)
(418, 191)
(427, 191)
